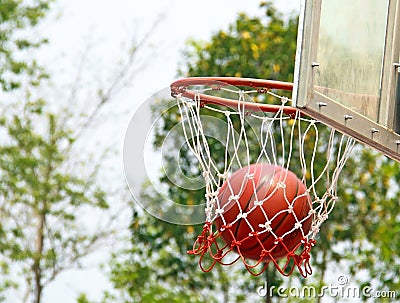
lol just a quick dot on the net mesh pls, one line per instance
(270, 177)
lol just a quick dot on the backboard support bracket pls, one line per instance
(372, 134)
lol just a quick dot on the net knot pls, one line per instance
(224, 227)
(278, 241)
(177, 91)
(202, 239)
(265, 253)
(223, 175)
(233, 197)
(250, 176)
(235, 243)
(210, 238)
(209, 195)
(315, 229)
(219, 211)
(218, 255)
(266, 226)
(305, 257)
(216, 87)
(281, 184)
(207, 226)
(208, 210)
(262, 90)
(258, 203)
(254, 234)
(305, 254)
(242, 215)
(323, 217)
(310, 243)
(297, 225)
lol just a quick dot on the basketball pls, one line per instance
(269, 199)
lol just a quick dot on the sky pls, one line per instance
(100, 31)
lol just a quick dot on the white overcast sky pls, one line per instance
(104, 26)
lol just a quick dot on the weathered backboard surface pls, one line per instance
(347, 68)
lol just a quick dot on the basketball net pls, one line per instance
(253, 133)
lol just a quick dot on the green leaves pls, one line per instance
(361, 234)
(252, 47)
(367, 213)
(158, 249)
(41, 197)
(17, 18)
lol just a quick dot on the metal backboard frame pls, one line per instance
(375, 118)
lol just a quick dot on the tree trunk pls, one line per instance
(37, 270)
(224, 283)
(323, 269)
(268, 279)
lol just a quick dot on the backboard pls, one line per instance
(347, 69)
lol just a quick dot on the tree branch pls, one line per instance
(118, 83)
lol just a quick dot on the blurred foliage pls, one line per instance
(43, 188)
(157, 259)
(41, 196)
(359, 239)
(17, 65)
(251, 47)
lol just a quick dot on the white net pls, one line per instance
(270, 183)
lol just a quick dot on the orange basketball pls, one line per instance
(268, 198)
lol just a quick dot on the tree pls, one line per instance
(264, 47)
(15, 17)
(251, 47)
(41, 196)
(158, 249)
(48, 181)
(238, 53)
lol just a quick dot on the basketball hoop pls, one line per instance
(273, 184)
